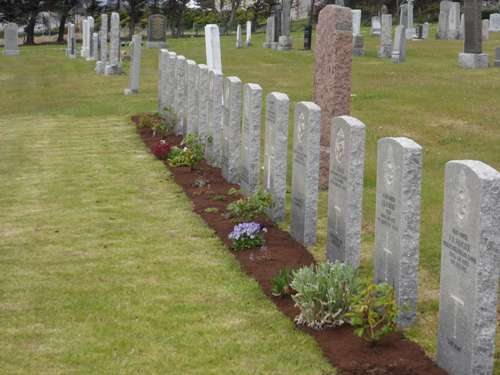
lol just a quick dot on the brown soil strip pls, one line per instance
(347, 352)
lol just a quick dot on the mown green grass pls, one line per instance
(104, 269)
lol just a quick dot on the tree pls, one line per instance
(23, 11)
(175, 11)
(63, 8)
(135, 10)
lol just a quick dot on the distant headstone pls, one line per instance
(157, 31)
(171, 84)
(275, 153)
(248, 35)
(90, 39)
(485, 30)
(425, 30)
(94, 50)
(305, 172)
(358, 45)
(231, 129)
(135, 65)
(103, 45)
(249, 173)
(332, 76)
(84, 48)
(114, 65)
(215, 110)
(444, 15)
(385, 49)
(212, 47)
(420, 31)
(399, 47)
(203, 93)
(345, 190)
(192, 77)
(376, 26)
(495, 22)
(406, 19)
(239, 41)
(397, 226)
(180, 97)
(356, 22)
(497, 56)
(71, 51)
(473, 57)
(269, 32)
(285, 40)
(454, 21)
(469, 268)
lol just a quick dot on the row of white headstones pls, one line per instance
(225, 114)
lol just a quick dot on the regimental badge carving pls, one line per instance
(301, 127)
(389, 169)
(340, 146)
(462, 199)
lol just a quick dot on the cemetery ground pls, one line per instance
(87, 281)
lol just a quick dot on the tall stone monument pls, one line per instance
(376, 27)
(305, 172)
(239, 41)
(285, 40)
(332, 76)
(399, 47)
(157, 31)
(212, 48)
(454, 22)
(135, 65)
(444, 14)
(469, 268)
(473, 56)
(385, 49)
(84, 48)
(486, 30)
(406, 19)
(94, 47)
(357, 37)
(231, 129)
(103, 45)
(345, 190)
(397, 226)
(248, 35)
(90, 39)
(269, 32)
(71, 51)
(114, 65)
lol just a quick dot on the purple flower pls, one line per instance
(245, 230)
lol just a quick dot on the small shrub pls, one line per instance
(248, 208)
(374, 312)
(233, 191)
(281, 283)
(161, 149)
(188, 154)
(247, 236)
(211, 210)
(323, 293)
(219, 198)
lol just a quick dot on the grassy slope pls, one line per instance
(103, 267)
(453, 113)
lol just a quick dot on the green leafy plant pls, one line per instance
(323, 293)
(219, 198)
(188, 154)
(233, 191)
(374, 312)
(211, 210)
(248, 208)
(281, 283)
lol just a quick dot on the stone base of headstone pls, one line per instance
(385, 51)
(112, 70)
(72, 56)
(375, 33)
(497, 56)
(358, 45)
(84, 52)
(156, 45)
(396, 57)
(90, 59)
(248, 44)
(273, 45)
(285, 43)
(13, 52)
(100, 67)
(128, 92)
(473, 60)
(411, 33)
(266, 45)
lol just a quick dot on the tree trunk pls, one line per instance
(131, 28)
(30, 31)
(62, 24)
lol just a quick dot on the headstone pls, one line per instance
(497, 57)
(444, 15)
(239, 42)
(419, 30)
(231, 129)
(340, 3)
(345, 192)
(376, 26)
(163, 73)
(135, 65)
(383, 9)
(406, 19)
(94, 49)
(269, 32)
(495, 22)
(249, 33)
(485, 30)
(356, 22)
(103, 45)
(276, 151)
(84, 49)
(454, 21)
(90, 39)
(114, 65)
(425, 30)
(285, 40)
(358, 45)
(212, 46)
(472, 57)
(249, 174)
(180, 97)
(397, 226)
(305, 172)
(332, 77)
(71, 52)
(192, 77)
(203, 92)
(399, 48)
(169, 85)
(469, 268)
(215, 110)
(461, 31)
(385, 49)
(157, 31)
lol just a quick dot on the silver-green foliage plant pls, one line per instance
(323, 293)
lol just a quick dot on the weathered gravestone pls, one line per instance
(454, 21)
(376, 28)
(397, 226)
(94, 49)
(180, 96)
(276, 150)
(285, 40)
(203, 92)
(385, 49)
(71, 52)
(135, 65)
(250, 139)
(357, 37)
(84, 48)
(399, 47)
(90, 39)
(356, 22)
(497, 57)
(157, 31)
(114, 64)
(213, 150)
(163, 73)
(269, 32)
(469, 268)
(248, 33)
(444, 15)
(345, 190)
(495, 22)
(239, 41)
(305, 172)
(231, 129)
(472, 57)
(212, 48)
(425, 30)
(192, 77)
(406, 19)
(103, 45)
(332, 76)
(485, 30)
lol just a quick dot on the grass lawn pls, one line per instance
(103, 267)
